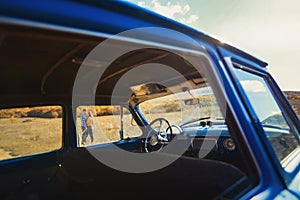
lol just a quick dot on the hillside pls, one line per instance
(294, 99)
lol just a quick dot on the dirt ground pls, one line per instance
(26, 136)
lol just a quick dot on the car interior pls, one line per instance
(150, 101)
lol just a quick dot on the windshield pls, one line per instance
(185, 107)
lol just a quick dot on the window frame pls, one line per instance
(286, 168)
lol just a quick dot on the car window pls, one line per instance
(103, 124)
(275, 122)
(186, 108)
(30, 130)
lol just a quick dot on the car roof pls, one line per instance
(22, 46)
(104, 16)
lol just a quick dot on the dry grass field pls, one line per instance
(106, 129)
(26, 136)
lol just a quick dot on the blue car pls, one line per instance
(107, 100)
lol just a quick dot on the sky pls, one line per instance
(267, 29)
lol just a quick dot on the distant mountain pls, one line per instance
(294, 99)
(292, 93)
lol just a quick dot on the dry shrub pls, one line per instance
(45, 112)
(101, 110)
(105, 110)
(172, 106)
(55, 114)
(163, 108)
(14, 112)
(93, 109)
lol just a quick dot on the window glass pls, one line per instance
(282, 135)
(30, 130)
(102, 124)
(183, 107)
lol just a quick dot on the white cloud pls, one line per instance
(189, 20)
(253, 86)
(177, 11)
(141, 3)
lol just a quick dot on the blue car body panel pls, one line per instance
(85, 17)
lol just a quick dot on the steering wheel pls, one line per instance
(157, 136)
(175, 126)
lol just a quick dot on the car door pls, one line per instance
(31, 138)
(273, 119)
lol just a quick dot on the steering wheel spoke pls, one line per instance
(157, 136)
